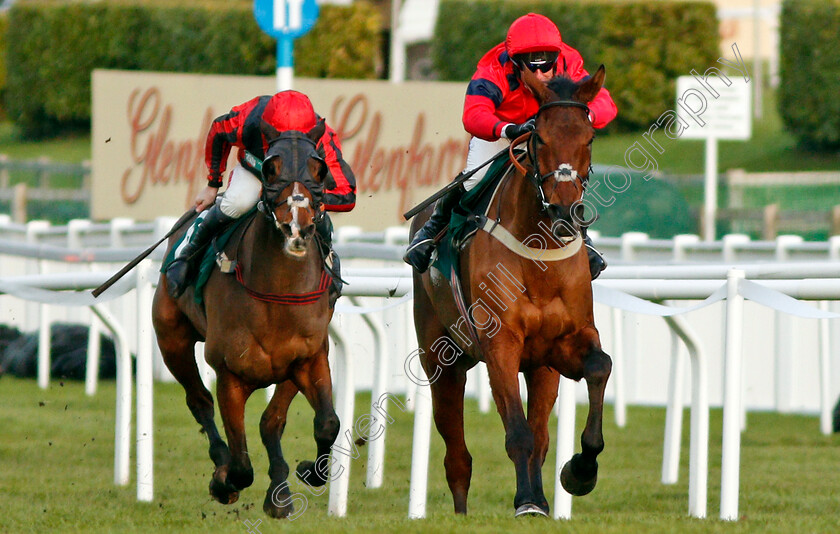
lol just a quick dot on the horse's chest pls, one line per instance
(546, 322)
(270, 358)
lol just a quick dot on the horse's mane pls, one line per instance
(563, 87)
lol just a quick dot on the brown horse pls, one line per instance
(254, 336)
(528, 312)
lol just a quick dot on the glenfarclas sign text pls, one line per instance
(403, 142)
(156, 159)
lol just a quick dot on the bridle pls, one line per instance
(295, 170)
(285, 146)
(563, 173)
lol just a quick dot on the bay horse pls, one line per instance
(525, 312)
(253, 336)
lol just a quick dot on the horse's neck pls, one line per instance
(266, 267)
(520, 210)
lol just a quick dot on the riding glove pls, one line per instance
(513, 131)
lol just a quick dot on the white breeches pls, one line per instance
(242, 193)
(481, 151)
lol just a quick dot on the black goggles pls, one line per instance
(537, 61)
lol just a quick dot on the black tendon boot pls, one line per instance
(419, 252)
(179, 272)
(597, 263)
(332, 264)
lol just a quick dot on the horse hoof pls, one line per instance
(278, 506)
(307, 474)
(224, 493)
(220, 489)
(240, 478)
(575, 485)
(530, 510)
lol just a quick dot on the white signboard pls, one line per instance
(713, 109)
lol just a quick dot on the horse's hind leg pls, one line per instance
(447, 393)
(176, 339)
(580, 474)
(232, 394)
(542, 392)
(278, 500)
(448, 409)
(312, 377)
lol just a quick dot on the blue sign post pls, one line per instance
(285, 20)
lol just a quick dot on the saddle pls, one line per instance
(213, 255)
(468, 216)
(208, 256)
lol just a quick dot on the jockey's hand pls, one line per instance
(206, 198)
(513, 131)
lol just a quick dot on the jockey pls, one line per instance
(499, 108)
(286, 110)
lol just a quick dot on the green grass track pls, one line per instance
(56, 474)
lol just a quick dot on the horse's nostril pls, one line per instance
(561, 228)
(297, 244)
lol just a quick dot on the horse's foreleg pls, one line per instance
(232, 393)
(542, 392)
(448, 409)
(199, 400)
(580, 474)
(278, 501)
(503, 369)
(313, 379)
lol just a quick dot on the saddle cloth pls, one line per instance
(462, 223)
(208, 257)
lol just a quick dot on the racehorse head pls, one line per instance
(560, 148)
(292, 176)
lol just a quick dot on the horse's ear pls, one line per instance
(317, 132)
(538, 88)
(589, 89)
(269, 132)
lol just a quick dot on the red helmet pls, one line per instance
(290, 110)
(532, 33)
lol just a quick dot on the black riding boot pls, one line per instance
(419, 252)
(332, 263)
(179, 272)
(597, 263)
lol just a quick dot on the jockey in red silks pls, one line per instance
(286, 110)
(499, 108)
